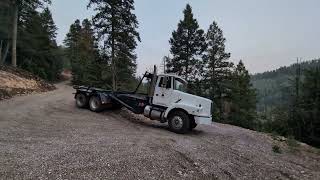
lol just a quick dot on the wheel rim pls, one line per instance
(94, 103)
(80, 100)
(177, 122)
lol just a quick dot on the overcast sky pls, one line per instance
(265, 34)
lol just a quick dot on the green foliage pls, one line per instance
(276, 149)
(217, 70)
(63, 53)
(187, 45)
(278, 123)
(116, 25)
(5, 19)
(37, 49)
(5, 29)
(113, 65)
(273, 86)
(243, 99)
(310, 108)
(291, 142)
(298, 114)
(81, 49)
(274, 135)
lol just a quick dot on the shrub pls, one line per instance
(292, 142)
(276, 149)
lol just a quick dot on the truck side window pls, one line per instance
(180, 85)
(168, 82)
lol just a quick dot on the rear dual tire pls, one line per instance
(82, 100)
(95, 104)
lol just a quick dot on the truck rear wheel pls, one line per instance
(95, 104)
(179, 122)
(81, 100)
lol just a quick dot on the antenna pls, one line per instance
(163, 63)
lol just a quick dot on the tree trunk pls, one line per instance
(1, 51)
(14, 36)
(221, 109)
(114, 84)
(5, 54)
(187, 59)
(113, 63)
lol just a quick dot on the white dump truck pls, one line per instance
(167, 100)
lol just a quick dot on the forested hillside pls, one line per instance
(272, 85)
(289, 101)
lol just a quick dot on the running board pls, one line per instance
(123, 103)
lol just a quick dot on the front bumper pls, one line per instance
(203, 120)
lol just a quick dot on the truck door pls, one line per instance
(163, 91)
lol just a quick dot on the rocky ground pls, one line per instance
(44, 136)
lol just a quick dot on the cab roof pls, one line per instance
(173, 75)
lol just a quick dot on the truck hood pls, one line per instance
(203, 105)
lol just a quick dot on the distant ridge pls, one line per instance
(269, 84)
(286, 70)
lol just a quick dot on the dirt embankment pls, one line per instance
(14, 81)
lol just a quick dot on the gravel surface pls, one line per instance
(44, 136)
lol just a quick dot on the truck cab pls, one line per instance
(172, 103)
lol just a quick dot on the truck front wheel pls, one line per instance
(179, 122)
(95, 104)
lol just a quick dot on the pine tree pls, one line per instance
(37, 49)
(50, 47)
(187, 45)
(295, 120)
(82, 51)
(5, 28)
(243, 99)
(72, 40)
(117, 24)
(49, 26)
(217, 68)
(31, 33)
(21, 8)
(310, 107)
(89, 54)
(299, 115)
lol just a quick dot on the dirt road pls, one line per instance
(44, 136)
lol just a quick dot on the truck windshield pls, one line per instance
(180, 85)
